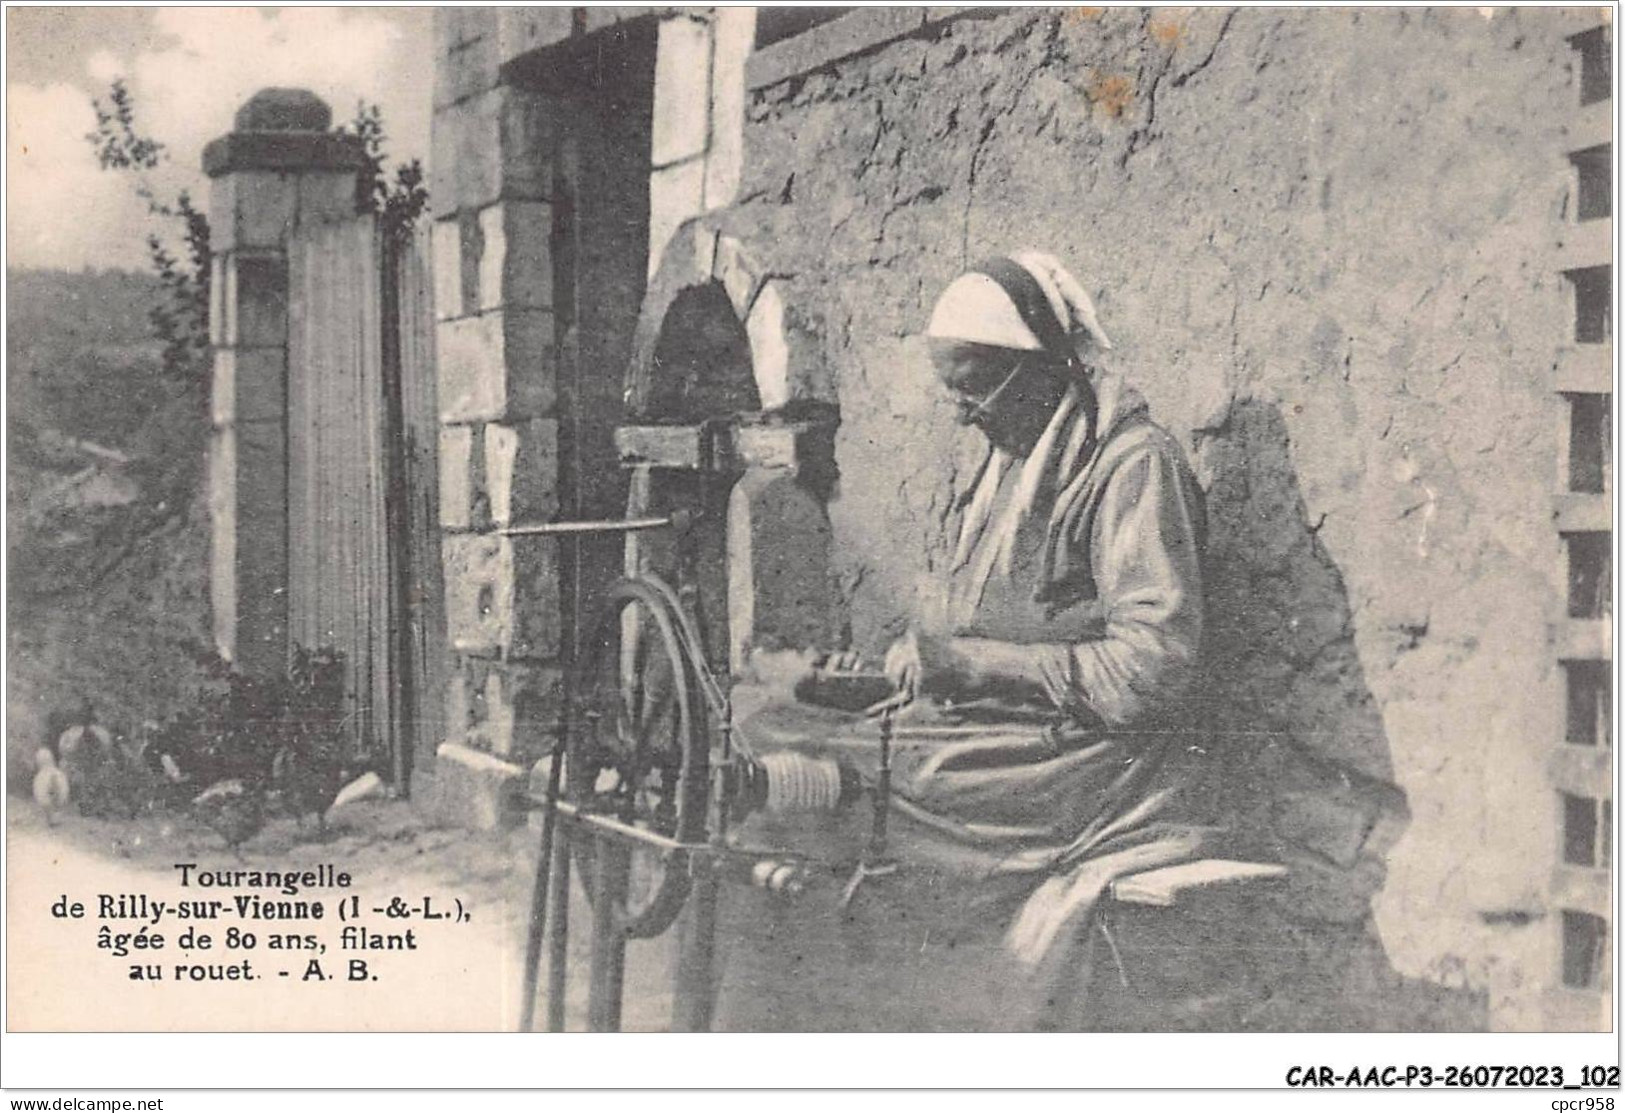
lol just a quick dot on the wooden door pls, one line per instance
(364, 575)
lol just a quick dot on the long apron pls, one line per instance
(1009, 822)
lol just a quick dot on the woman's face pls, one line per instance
(1009, 395)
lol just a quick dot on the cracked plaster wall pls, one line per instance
(1317, 238)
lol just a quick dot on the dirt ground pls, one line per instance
(462, 976)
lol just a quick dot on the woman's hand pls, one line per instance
(920, 664)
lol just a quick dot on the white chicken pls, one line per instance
(51, 789)
(89, 759)
(364, 787)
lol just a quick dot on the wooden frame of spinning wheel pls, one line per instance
(693, 860)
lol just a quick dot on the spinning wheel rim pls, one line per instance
(685, 792)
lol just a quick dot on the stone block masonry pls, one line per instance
(521, 471)
(1341, 315)
(495, 160)
(482, 792)
(280, 168)
(491, 147)
(498, 466)
(496, 166)
(463, 502)
(496, 365)
(1344, 331)
(1579, 724)
(502, 596)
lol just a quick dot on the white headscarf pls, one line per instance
(975, 309)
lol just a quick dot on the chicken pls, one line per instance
(364, 787)
(232, 810)
(89, 759)
(51, 789)
(191, 751)
(315, 753)
(309, 782)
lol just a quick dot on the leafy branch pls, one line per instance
(180, 320)
(398, 203)
(118, 145)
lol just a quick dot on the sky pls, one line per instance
(188, 70)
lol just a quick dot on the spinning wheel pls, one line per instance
(637, 801)
(639, 754)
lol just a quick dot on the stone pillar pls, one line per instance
(494, 150)
(696, 152)
(780, 593)
(779, 551)
(280, 166)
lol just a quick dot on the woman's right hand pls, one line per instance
(904, 666)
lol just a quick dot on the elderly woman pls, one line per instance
(1052, 754)
(1077, 577)
(1074, 597)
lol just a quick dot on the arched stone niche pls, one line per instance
(725, 416)
(701, 366)
(683, 310)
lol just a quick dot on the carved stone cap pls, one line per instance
(284, 130)
(277, 109)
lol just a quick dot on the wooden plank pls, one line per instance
(685, 447)
(409, 676)
(365, 575)
(309, 373)
(639, 498)
(379, 571)
(335, 622)
(608, 963)
(372, 566)
(662, 446)
(334, 446)
(695, 983)
(319, 389)
(298, 447)
(387, 575)
(772, 446)
(368, 465)
(426, 591)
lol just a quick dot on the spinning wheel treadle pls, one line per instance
(639, 754)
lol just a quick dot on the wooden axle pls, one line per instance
(765, 869)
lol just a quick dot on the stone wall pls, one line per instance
(491, 190)
(1322, 241)
(1329, 246)
(279, 167)
(543, 139)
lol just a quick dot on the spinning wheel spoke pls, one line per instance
(641, 755)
